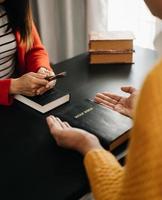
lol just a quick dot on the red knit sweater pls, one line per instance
(27, 62)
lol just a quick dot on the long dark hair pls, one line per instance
(20, 19)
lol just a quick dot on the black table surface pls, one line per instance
(32, 166)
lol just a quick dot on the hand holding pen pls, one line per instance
(51, 78)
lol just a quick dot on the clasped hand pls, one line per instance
(31, 84)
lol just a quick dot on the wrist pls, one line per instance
(89, 143)
(14, 87)
(90, 148)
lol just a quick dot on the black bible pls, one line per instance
(111, 127)
(46, 102)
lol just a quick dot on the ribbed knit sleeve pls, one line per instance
(105, 174)
(142, 177)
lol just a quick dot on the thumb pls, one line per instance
(128, 89)
(49, 122)
(52, 126)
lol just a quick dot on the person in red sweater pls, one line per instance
(21, 51)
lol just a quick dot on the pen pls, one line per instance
(57, 76)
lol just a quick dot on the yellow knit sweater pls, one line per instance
(141, 179)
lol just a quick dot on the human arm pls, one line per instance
(28, 61)
(27, 84)
(38, 61)
(72, 138)
(101, 165)
(37, 56)
(121, 104)
(142, 176)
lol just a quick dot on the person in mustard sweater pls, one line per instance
(141, 178)
(21, 50)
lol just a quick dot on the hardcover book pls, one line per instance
(111, 47)
(46, 102)
(111, 40)
(113, 57)
(109, 126)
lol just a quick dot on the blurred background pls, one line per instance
(64, 24)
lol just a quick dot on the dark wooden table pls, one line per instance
(32, 166)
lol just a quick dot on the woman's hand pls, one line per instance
(72, 138)
(123, 105)
(50, 84)
(28, 84)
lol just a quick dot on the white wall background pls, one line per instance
(65, 24)
(132, 15)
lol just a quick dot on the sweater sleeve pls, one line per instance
(105, 174)
(142, 176)
(37, 56)
(5, 98)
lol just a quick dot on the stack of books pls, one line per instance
(111, 47)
